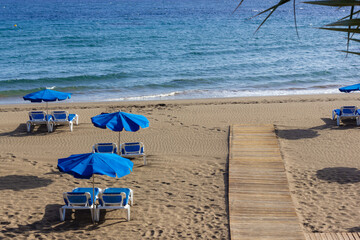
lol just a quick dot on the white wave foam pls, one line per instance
(197, 94)
(146, 97)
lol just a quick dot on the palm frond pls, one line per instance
(238, 6)
(345, 23)
(354, 39)
(272, 9)
(356, 53)
(336, 3)
(353, 30)
(297, 32)
(348, 16)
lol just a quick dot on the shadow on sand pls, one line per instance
(20, 131)
(81, 220)
(20, 182)
(295, 134)
(341, 175)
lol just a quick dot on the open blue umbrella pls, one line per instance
(47, 95)
(120, 121)
(87, 165)
(347, 89)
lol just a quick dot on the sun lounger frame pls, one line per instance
(128, 153)
(47, 119)
(66, 120)
(99, 145)
(339, 115)
(116, 205)
(78, 205)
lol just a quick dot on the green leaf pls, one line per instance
(336, 3)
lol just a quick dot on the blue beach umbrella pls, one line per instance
(120, 121)
(86, 165)
(47, 95)
(347, 89)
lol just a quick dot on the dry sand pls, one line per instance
(182, 192)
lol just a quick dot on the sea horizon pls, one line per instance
(161, 50)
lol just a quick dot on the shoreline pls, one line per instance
(252, 99)
(182, 99)
(182, 192)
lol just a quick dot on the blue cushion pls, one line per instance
(39, 116)
(81, 199)
(132, 147)
(348, 111)
(71, 117)
(105, 149)
(111, 199)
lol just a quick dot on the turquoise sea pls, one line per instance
(163, 49)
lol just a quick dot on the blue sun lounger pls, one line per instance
(346, 112)
(64, 118)
(105, 148)
(39, 118)
(134, 149)
(79, 199)
(115, 198)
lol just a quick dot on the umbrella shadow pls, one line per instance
(51, 223)
(295, 134)
(20, 131)
(341, 175)
(354, 229)
(20, 182)
(103, 218)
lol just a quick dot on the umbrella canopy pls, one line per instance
(47, 95)
(347, 89)
(87, 164)
(120, 121)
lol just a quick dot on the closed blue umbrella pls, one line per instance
(47, 95)
(87, 165)
(120, 121)
(347, 89)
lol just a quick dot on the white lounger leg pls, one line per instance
(62, 214)
(333, 115)
(338, 121)
(77, 119)
(357, 121)
(92, 214)
(97, 215)
(71, 126)
(128, 213)
(28, 126)
(50, 126)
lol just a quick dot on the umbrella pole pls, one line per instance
(47, 112)
(119, 144)
(93, 200)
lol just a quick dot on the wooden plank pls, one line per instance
(356, 235)
(260, 204)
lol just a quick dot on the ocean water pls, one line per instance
(119, 50)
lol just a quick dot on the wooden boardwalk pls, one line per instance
(260, 205)
(333, 236)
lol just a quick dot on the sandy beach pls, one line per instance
(182, 192)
